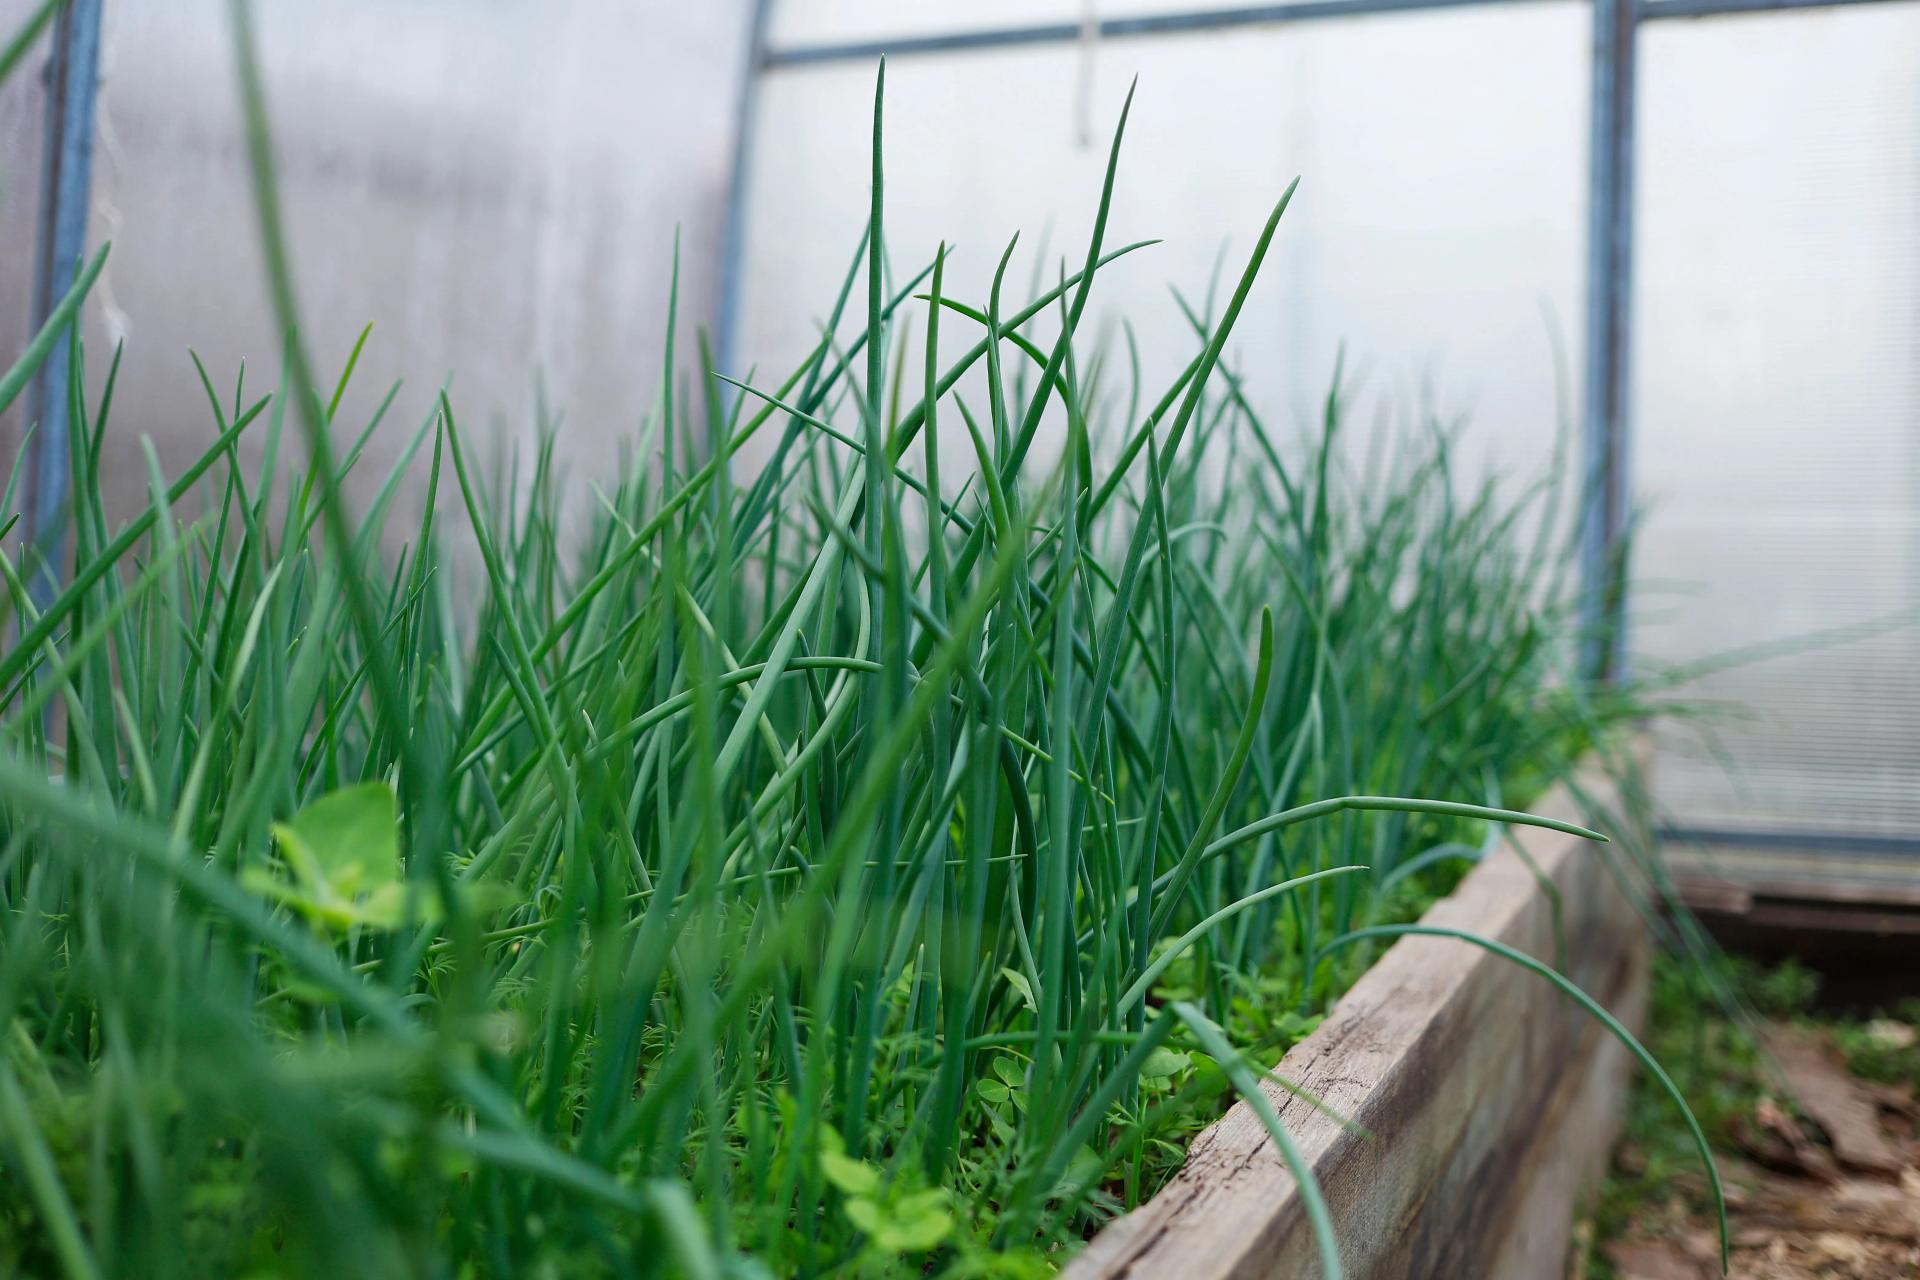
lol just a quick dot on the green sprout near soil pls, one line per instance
(825, 872)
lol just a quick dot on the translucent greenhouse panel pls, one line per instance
(813, 22)
(805, 22)
(23, 129)
(1776, 365)
(495, 187)
(1437, 233)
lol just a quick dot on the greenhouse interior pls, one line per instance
(867, 638)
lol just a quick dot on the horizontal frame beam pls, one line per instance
(1150, 24)
(1221, 19)
(1801, 841)
(1654, 10)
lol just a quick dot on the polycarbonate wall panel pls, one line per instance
(1776, 368)
(1438, 230)
(23, 128)
(813, 22)
(806, 22)
(496, 187)
(836, 22)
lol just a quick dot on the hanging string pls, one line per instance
(1083, 77)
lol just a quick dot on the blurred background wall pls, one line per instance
(22, 131)
(495, 184)
(1440, 235)
(1776, 413)
(1438, 231)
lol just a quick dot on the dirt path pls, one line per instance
(1825, 1185)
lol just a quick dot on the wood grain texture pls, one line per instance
(1492, 1099)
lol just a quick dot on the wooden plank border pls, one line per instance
(1492, 1100)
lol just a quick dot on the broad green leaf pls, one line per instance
(852, 1177)
(914, 1225)
(346, 841)
(920, 1222)
(1164, 1062)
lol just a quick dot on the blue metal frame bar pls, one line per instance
(1603, 517)
(1151, 24)
(726, 320)
(1654, 10)
(1225, 18)
(1803, 841)
(73, 78)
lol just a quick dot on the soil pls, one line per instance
(1825, 1183)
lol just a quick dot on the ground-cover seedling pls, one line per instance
(829, 870)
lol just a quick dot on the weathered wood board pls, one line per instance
(1491, 1098)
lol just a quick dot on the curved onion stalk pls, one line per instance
(1592, 1006)
(1248, 1087)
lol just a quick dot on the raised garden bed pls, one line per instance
(1489, 1099)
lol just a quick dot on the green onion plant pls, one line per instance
(836, 869)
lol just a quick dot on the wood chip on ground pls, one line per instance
(1838, 1103)
(1848, 1209)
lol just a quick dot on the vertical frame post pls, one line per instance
(1604, 480)
(726, 323)
(73, 81)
